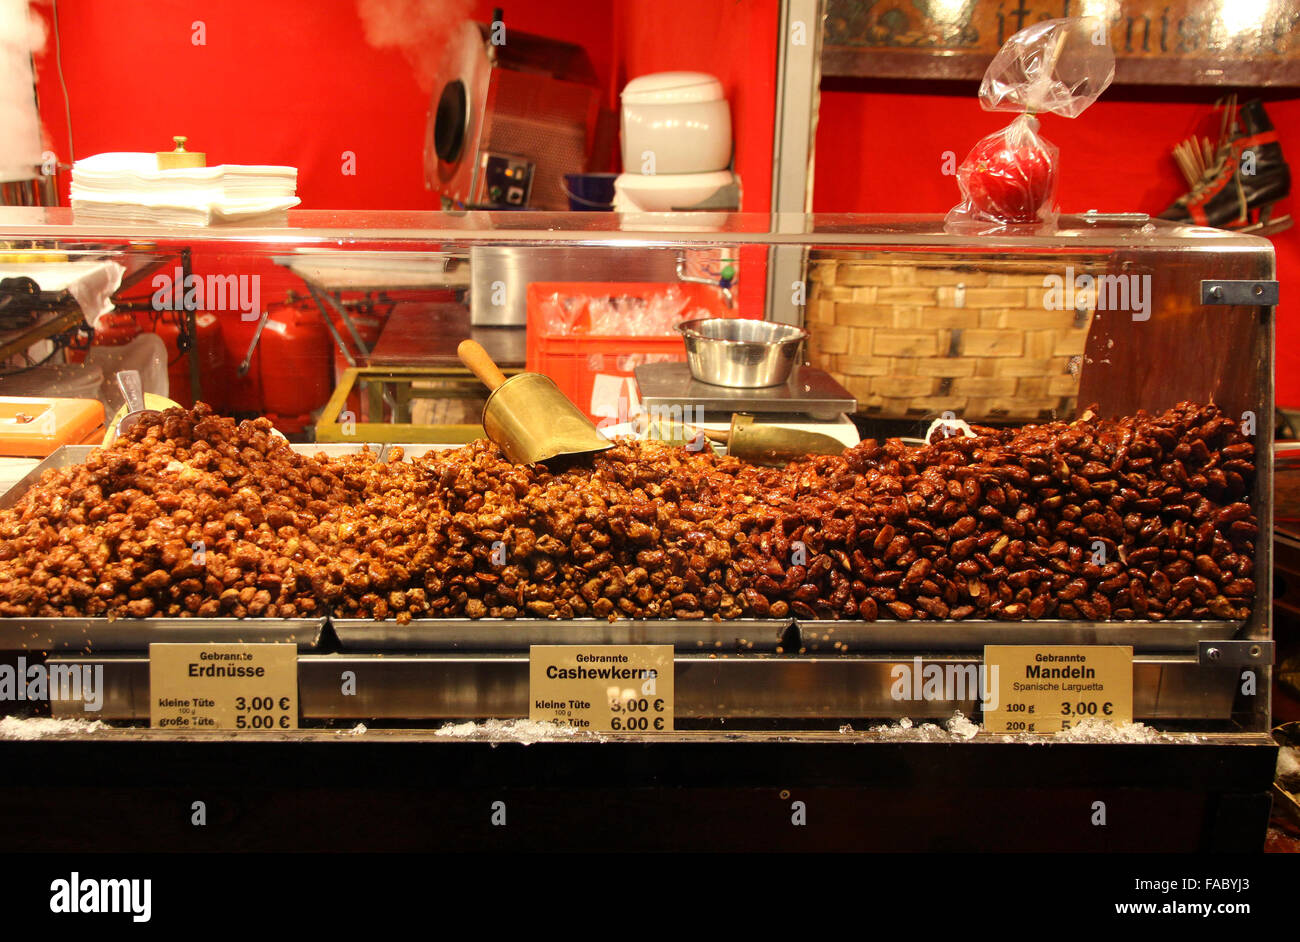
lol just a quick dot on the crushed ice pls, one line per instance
(958, 727)
(39, 727)
(961, 728)
(520, 731)
(1095, 729)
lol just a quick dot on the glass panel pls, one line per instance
(343, 328)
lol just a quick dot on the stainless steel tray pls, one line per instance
(768, 635)
(92, 635)
(516, 634)
(829, 637)
(750, 687)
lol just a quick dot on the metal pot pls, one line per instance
(740, 353)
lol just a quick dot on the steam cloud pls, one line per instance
(419, 28)
(21, 35)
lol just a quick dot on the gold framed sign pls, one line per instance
(621, 688)
(195, 687)
(1049, 688)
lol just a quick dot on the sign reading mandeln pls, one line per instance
(1048, 688)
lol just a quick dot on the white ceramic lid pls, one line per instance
(663, 88)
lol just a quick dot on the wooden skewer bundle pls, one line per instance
(1193, 157)
(1196, 155)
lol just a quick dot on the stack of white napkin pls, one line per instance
(129, 187)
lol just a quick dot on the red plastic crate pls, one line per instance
(595, 370)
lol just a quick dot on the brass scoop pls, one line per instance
(774, 445)
(527, 415)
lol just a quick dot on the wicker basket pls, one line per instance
(915, 335)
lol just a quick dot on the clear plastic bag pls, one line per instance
(1008, 180)
(603, 315)
(1061, 66)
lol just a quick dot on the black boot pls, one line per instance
(1216, 200)
(1247, 178)
(1265, 176)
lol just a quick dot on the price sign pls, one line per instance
(223, 686)
(625, 688)
(1044, 689)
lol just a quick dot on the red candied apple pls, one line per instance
(1007, 176)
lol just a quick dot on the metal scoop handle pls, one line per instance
(132, 390)
(480, 363)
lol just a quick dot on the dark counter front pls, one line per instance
(393, 790)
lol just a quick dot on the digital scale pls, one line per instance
(810, 400)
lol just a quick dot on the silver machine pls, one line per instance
(511, 114)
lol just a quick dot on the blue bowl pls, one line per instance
(590, 192)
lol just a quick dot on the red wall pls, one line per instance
(881, 150)
(736, 41)
(298, 86)
(291, 82)
(296, 82)
(301, 85)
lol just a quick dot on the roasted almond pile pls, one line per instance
(1145, 517)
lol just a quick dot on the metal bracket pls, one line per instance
(1234, 653)
(1239, 292)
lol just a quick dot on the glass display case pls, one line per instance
(1056, 442)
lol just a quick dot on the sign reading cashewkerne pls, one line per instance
(223, 686)
(602, 687)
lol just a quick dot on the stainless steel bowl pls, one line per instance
(743, 354)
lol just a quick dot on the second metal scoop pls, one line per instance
(527, 415)
(774, 445)
(133, 392)
(765, 444)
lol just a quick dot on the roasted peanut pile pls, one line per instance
(1145, 517)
